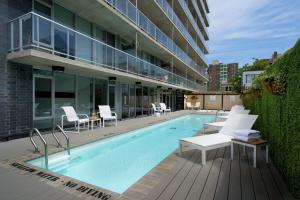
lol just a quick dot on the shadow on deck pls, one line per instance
(221, 178)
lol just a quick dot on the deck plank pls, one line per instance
(212, 180)
(179, 178)
(199, 184)
(271, 186)
(258, 184)
(234, 192)
(280, 183)
(184, 188)
(246, 179)
(221, 191)
(156, 192)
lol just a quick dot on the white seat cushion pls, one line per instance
(208, 140)
(109, 117)
(83, 120)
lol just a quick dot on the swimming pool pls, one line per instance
(118, 162)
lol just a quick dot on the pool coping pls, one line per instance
(82, 189)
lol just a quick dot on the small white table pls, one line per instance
(253, 144)
(93, 121)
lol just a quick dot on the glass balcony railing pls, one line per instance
(32, 31)
(191, 18)
(204, 12)
(127, 9)
(173, 17)
(196, 7)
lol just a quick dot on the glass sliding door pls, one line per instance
(131, 100)
(125, 100)
(146, 101)
(139, 100)
(84, 95)
(64, 93)
(43, 102)
(111, 96)
(100, 93)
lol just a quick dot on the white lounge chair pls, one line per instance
(72, 116)
(220, 139)
(164, 108)
(235, 107)
(233, 112)
(107, 115)
(156, 111)
(220, 124)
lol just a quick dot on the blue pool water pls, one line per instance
(117, 163)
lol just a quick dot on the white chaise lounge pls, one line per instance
(233, 112)
(164, 108)
(107, 115)
(72, 116)
(235, 107)
(220, 139)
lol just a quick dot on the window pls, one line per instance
(232, 98)
(212, 97)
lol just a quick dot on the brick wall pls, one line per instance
(15, 79)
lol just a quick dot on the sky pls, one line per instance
(241, 30)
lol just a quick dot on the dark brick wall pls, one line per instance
(214, 78)
(15, 79)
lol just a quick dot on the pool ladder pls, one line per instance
(35, 130)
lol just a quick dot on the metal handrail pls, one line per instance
(36, 147)
(65, 135)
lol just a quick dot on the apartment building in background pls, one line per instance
(219, 75)
(123, 53)
(248, 76)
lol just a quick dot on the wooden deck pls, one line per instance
(221, 178)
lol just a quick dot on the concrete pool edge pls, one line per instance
(136, 188)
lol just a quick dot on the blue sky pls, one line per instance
(241, 30)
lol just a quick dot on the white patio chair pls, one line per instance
(220, 139)
(197, 105)
(156, 111)
(107, 115)
(72, 116)
(164, 108)
(189, 105)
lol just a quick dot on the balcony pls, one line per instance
(182, 29)
(189, 15)
(127, 9)
(35, 32)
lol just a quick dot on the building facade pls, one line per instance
(248, 77)
(121, 53)
(220, 74)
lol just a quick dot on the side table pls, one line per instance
(254, 143)
(93, 121)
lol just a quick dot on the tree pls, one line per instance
(236, 81)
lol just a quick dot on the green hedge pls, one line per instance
(279, 119)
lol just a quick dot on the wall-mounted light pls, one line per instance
(58, 69)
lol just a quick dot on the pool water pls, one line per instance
(118, 162)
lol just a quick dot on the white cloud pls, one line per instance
(234, 19)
